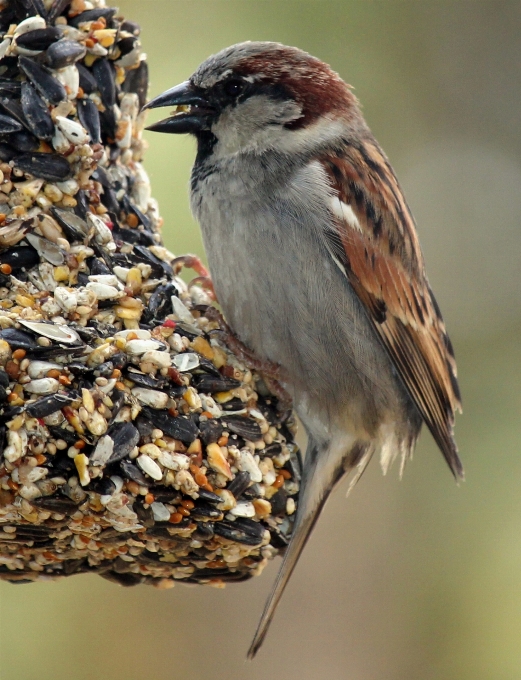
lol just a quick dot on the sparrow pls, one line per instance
(316, 263)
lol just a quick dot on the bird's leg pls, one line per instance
(194, 262)
(270, 371)
(190, 262)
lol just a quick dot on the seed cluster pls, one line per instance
(133, 442)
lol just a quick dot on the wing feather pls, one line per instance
(382, 258)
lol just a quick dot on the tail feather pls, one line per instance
(320, 478)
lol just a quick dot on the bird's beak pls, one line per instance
(193, 113)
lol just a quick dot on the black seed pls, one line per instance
(57, 8)
(74, 227)
(127, 580)
(278, 540)
(104, 74)
(7, 153)
(87, 81)
(92, 15)
(64, 53)
(278, 503)
(144, 515)
(47, 405)
(242, 530)
(36, 113)
(62, 433)
(179, 428)
(212, 384)
(205, 511)
(132, 472)
(125, 437)
(137, 82)
(234, 404)
(209, 497)
(97, 266)
(10, 87)
(130, 27)
(126, 45)
(144, 255)
(4, 378)
(89, 118)
(108, 125)
(39, 39)
(160, 303)
(165, 494)
(204, 531)
(3, 397)
(244, 427)
(14, 109)
(20, 256)
(48, 166)
(239, 484)
(56, 504)
(24, 141)
(143, 379)
(9, 125)
(131, 208)
(48, 86)
(211, 430)
(104, 486)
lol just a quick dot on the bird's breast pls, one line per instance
(285, 297)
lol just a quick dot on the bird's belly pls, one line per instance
(287, 300)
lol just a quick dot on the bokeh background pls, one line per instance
(412, 579)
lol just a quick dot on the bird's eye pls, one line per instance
(233, 87)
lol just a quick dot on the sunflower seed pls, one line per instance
(36, 113)
(50, 166)
(64, 53)
(43, 81)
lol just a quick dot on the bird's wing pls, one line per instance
(374, 241)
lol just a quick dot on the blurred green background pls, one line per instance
(414, 579)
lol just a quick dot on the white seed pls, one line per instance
(61, 144)
(42, 386)
(39, 369)
(102, 291)
(70, 186)
(106, 279)
(159, 359)
(46, 249)
(75, 133)
(139, 347)
(69, 77)
(181, 310)
(243, 509)
(66, 298)
(173, 461)
(152, 398)
(149, 467)
(121, 273)
(186, 361)
(97, 424)
(103, 451)
(142, 334)
(160, 512)
(247, 464)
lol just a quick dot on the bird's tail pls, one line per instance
(322, 471)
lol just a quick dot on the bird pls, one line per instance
(317, 266)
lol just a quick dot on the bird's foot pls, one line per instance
(271, 372)
(194, 262)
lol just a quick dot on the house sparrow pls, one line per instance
(316, 263)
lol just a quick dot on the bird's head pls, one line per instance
(257, 96)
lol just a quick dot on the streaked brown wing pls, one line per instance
(383, 261)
